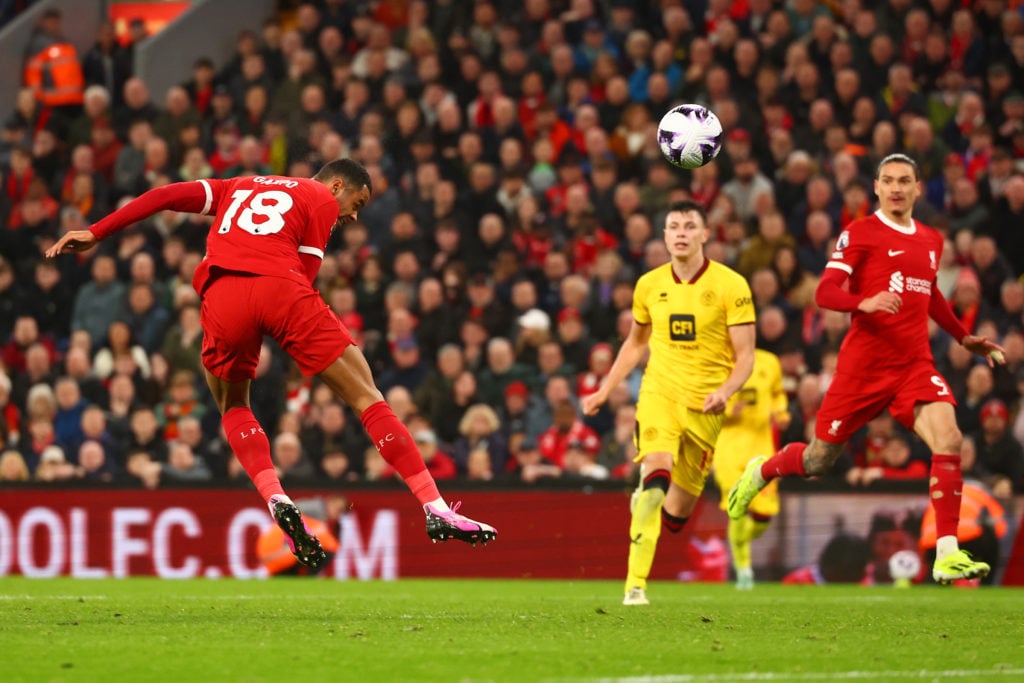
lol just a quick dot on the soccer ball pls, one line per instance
(904, 566)
(690, 135)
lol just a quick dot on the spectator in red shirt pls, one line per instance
(10, 416)
(26, 333)
(579, 461)
(19, 176)
(570, 173)
(105, 148)
(896, 462)
(567, 428)
(226, 154)
(549, 126)
(439, 463)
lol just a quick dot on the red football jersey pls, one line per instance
(263, 223)
(880, 255)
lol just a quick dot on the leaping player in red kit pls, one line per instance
(263, 253)
(890, 261)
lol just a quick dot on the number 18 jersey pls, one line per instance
(262, 223)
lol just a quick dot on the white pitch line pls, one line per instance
(12, 598)
(176, 597)
(805, 676)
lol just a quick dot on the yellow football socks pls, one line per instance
(644, 529)
(739, 541)
(758, 527)
(742, 532)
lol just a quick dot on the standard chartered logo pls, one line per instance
(896, 282)
(900, 284)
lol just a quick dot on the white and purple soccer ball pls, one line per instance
(904, 565)
(690, 135)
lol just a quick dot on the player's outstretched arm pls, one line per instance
(631, 353)
(993, 353)
(190, 197)
(73, 241)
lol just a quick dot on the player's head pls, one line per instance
(350, 184)
(898, 185)
(898, 158)
(686, 229)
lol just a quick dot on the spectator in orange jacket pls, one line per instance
(52, 67)
(277, 557)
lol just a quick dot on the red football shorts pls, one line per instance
(854, 399)
(238, 310)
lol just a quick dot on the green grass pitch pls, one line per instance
(449, 630)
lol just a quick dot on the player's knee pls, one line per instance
(350, 378)
(949, 441)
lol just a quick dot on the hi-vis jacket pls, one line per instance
(55, 74)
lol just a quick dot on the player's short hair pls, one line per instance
(352, 172)
(898, 158)
(687, 205)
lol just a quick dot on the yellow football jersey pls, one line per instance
(762, 395)
(750, 434)
(691, 351)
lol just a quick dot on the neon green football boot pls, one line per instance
(958, 565)
(749, 485)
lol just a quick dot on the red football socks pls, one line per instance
(787, 462)
(398, 449)
(250, 444)
(944, 489)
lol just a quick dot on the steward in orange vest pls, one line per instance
(52, 68)
(275, 555)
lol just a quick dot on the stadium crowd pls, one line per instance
(518, 193)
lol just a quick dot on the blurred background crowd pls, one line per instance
(518, 194)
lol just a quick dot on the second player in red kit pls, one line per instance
(883, 273)
(885, 360)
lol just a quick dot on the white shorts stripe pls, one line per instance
(312, 251)
(209, 196)
(841, 266)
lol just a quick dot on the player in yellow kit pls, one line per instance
(697, 318)
(748, 432)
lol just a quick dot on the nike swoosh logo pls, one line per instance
(895, 253)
